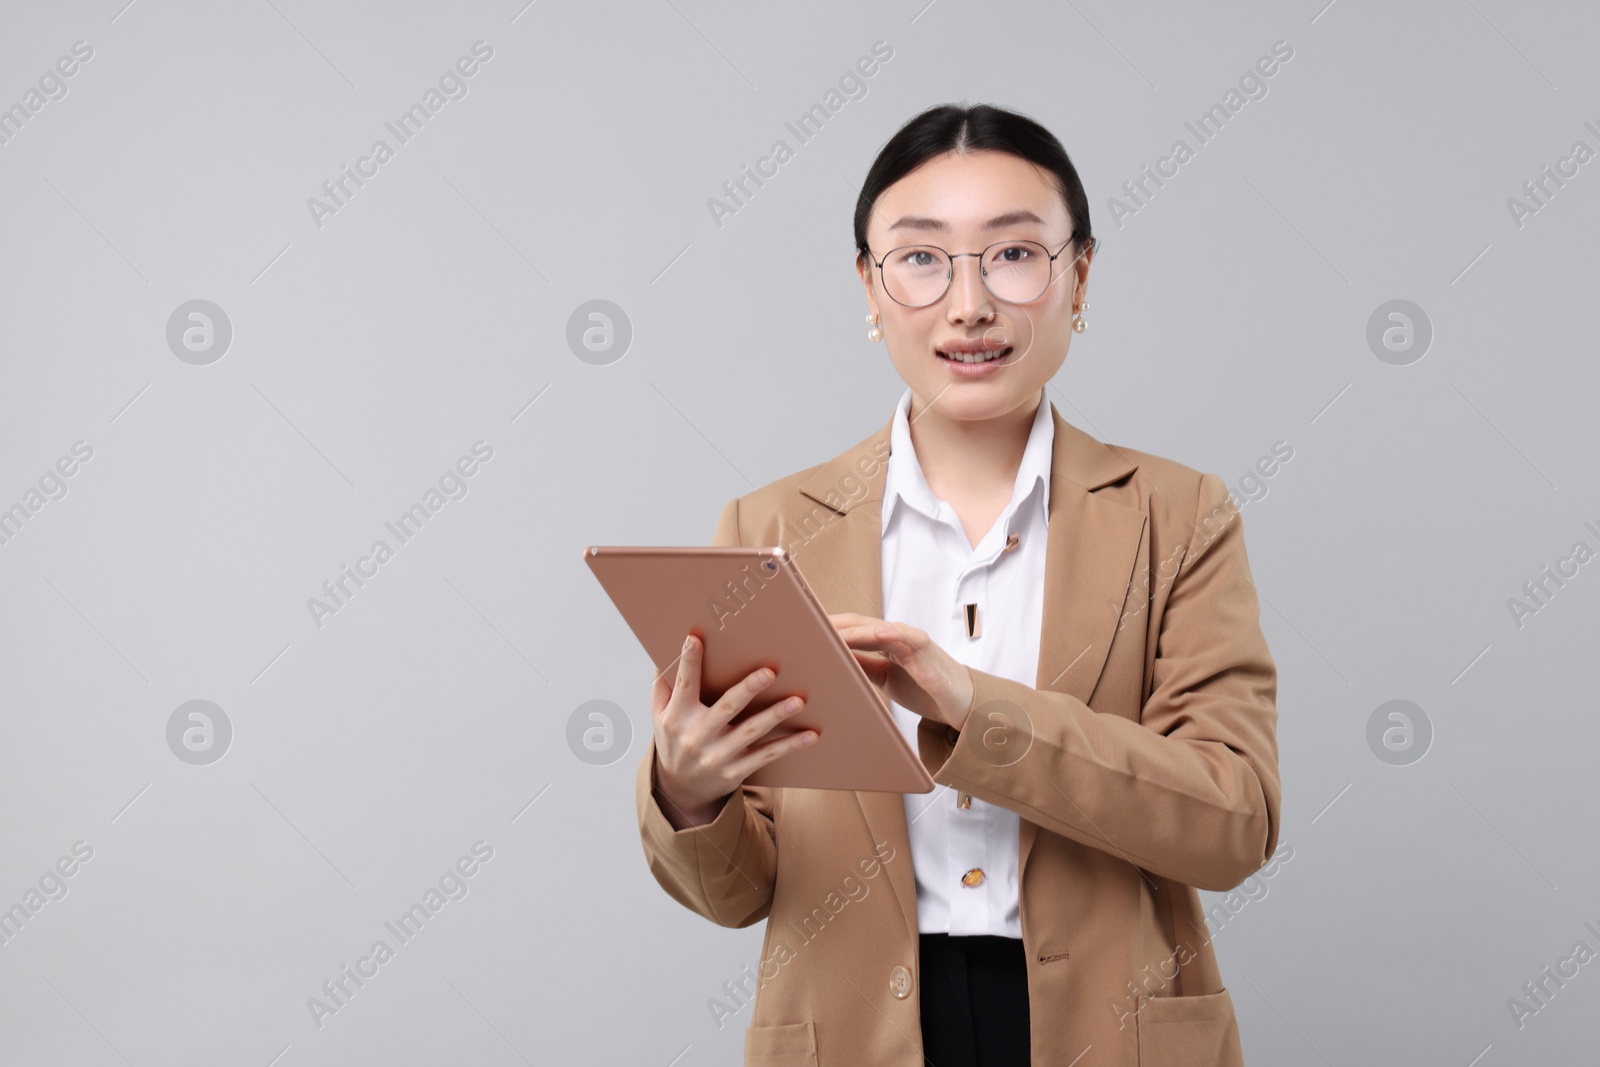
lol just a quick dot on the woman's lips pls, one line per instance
(987, 367)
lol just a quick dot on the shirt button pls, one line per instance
(900, 982)
(972, 877)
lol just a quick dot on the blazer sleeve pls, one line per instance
(1192, 791)
(726, 869)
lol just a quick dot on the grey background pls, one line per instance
(1228, 314)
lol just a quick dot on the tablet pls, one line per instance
(751, 607)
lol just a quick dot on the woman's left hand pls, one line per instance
(914, 670)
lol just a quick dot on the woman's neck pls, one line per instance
(971, 460)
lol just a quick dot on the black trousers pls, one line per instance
(974, 1001)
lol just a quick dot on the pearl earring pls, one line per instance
(1078, 323)
(874, 334)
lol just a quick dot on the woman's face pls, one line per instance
(950, 201)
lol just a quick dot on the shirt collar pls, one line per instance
(904, 480)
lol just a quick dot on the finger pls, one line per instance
(741, 735)
(741, 694)
(864, 634)
(868, 639)
(911, 635)
(764, 754)
(928, 666)
(660, 694)
(900, 639)
(875, 667)
(910, 653)
(854, 621)
(688, 683)
(848, 617)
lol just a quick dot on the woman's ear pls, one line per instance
(864, 270)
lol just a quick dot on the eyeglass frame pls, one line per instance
(983, 273)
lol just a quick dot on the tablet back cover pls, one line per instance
(751, 607)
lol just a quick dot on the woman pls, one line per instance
(1067, 632)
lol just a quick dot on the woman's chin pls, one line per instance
(976, 401)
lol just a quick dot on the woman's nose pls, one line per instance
(970, 299)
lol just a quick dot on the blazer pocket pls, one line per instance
(788, 1045)
(1191, 1031)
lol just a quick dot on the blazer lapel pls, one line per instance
(1090, 551)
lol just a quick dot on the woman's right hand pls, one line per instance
(700, 758)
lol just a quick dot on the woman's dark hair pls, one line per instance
(951, 127)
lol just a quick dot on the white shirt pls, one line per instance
(930, 570)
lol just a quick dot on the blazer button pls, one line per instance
(900, 982)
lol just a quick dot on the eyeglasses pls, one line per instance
(1014, 271)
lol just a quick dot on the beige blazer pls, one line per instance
(1143, 764)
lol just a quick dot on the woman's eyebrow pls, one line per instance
(923, 222)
